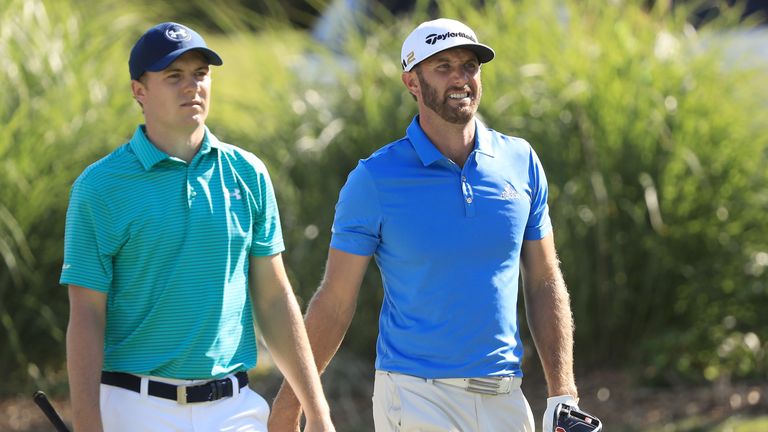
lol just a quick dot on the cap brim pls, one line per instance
(484, 52)
(169, 58)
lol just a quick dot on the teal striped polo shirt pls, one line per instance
(169, 243)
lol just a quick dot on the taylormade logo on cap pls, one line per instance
(431, 37)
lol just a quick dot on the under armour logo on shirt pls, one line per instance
(235, 194)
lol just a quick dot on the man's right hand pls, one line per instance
(85, 355)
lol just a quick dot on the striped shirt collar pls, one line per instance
(149, 155)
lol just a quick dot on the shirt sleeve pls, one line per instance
(357, 223)
(88, 240)
(539, 224)
(267, 231)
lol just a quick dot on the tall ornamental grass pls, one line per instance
(58, 110)
(654, 145)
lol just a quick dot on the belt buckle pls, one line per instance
(488, 386)
(181, 394)
(216, 390)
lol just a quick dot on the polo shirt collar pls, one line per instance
(209, 142)
(484, 139)
(429, 154)
(149, 155)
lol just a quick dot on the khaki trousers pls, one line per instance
(404, 403)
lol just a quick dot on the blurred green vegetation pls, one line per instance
(655, 147)
(697, 424)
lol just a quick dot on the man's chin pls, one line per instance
(459, 117)
(196, 120)
(190, 125)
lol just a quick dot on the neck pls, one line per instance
(179, 144)
(454, 141)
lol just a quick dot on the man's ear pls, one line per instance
(139, 90)
(411, 82)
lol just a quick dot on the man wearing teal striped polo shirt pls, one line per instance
(172, 247)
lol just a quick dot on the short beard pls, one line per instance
(448, 113)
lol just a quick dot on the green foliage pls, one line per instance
(654, 147)
(738, 423)
(58, 110)
(744, 425)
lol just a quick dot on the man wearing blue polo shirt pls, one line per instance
(172, 247)
(453, 213)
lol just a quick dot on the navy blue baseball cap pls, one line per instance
(164, 43)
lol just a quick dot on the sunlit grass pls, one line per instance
(744, 425)
(699, 424)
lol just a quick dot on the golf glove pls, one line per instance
(549, 414)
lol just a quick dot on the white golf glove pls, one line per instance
(549, 414)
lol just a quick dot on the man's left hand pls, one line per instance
(549, 414)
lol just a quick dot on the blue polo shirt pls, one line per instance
(447, 240)
(169, 243)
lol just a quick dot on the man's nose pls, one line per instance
(460, 76)
(191, 83)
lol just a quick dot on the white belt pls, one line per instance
(485, 385)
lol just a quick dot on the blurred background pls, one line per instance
(650, 117)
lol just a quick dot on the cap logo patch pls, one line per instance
(433, 38)
(177, 34)
(411, 57)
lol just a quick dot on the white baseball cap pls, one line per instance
(431, 37)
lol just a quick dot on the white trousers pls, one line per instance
(125, 410)
(404, 403)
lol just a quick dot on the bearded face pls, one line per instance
(454, 100)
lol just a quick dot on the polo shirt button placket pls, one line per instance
(466, 188)
(191, 194)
